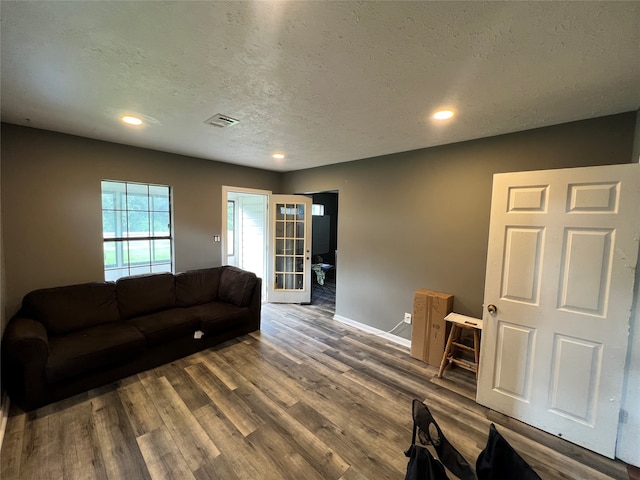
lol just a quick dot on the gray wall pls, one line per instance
(51, 205)
(411, 220)
(420, 219)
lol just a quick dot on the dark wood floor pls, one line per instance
(304, 398)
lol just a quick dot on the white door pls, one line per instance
(289, 249)
(563, 247)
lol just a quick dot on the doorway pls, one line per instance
(324, 249)
(244, 223)
(245, 239)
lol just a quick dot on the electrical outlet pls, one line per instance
(407, 318)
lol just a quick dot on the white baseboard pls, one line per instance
(375, 331)
(4, 410)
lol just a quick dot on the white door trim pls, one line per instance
(223, 224)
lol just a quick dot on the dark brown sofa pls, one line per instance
(66, 340)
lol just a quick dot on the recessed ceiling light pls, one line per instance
(278, 155)
(443, 114)
(131, 120)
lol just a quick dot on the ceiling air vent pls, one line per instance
(220, 120)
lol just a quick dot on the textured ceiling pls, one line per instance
(323, 82)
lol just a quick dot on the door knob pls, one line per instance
(492, 308)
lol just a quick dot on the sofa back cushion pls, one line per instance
(143, 294)
(196, 287)
(65, 309)
(236, 286)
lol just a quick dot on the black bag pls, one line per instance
(499, 461)
(422, 465)
(447, 454)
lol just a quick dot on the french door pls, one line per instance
(289, 249)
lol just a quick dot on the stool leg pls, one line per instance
(447, 349)
(456, 339)
(476, 349)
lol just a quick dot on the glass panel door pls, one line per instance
(291, 249)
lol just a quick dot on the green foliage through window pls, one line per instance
(231, 215)
(136, 228)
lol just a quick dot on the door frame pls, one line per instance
(226, 189)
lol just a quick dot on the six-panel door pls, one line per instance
(563, 247)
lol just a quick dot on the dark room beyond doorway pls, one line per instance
(324, 249)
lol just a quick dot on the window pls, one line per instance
(231, 215)
(136, 229)
(317, 210)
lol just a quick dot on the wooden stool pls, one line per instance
(458, 324)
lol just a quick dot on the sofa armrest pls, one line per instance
(26, 341)
(255, 305)
(25, 350)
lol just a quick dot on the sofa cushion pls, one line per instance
(162, 327)
(86, 350)
(65, 309)
(196, 287)
(236, 286)
(216, 317)
(144, 294)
